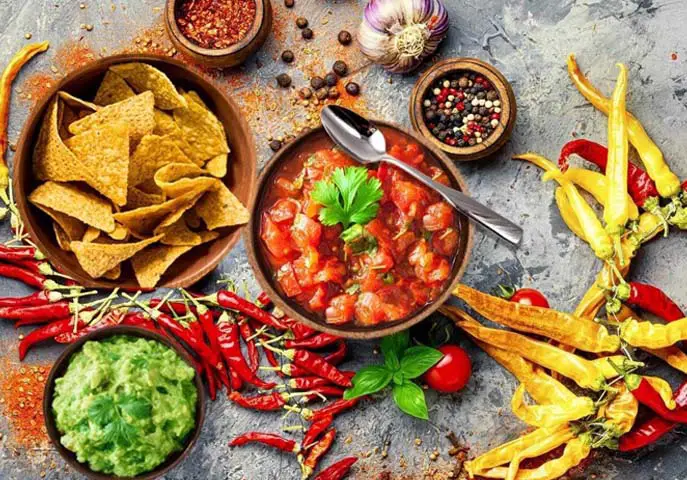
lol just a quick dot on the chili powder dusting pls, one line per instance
(215, 24)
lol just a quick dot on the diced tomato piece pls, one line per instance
(412, 154)
(286, 187)
(284, 210)
(341, 309)
(380, 232)
(318, 302)
(380, 261)
(403, 242)
(277, 241)
(398, 302)
(420, 292)
(445, 241)
(370, 281)
(440, 271)
(439, 216)
(408, 197)
(438, 175)
(369, 309)
(287, 280)
(306, 266)
(305, 231)
(418, 252)
(311, 208)
(333, 270)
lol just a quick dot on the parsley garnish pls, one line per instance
(350, 197)
(112, 416)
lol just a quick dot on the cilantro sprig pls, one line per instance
(350, 197)
(112, 415)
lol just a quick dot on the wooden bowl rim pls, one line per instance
(215, 53)
(509, 109)
(59, 368)
(24, 154)
(251, 240)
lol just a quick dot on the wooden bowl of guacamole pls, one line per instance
(124, 402)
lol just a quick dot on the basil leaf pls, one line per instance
(135, 407)
(417, 360)
(411, 400)
(398, 378)
(393, 347)
(102, 410)
(368, 380)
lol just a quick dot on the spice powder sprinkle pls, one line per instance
(216, 24)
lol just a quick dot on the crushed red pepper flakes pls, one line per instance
(216, 24)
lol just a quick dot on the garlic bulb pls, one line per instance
(399, 34)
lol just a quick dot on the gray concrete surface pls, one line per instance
(528, 40)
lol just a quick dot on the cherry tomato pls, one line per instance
(452, 372)
(530, 296)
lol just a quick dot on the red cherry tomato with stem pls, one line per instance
(452, 372)
(530, 296)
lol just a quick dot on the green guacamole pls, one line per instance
(124, 404)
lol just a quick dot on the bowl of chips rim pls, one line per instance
(240, 178)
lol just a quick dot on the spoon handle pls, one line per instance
(469, 206)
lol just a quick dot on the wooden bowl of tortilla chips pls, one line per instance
(135, 172)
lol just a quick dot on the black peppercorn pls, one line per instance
(352, 88)
(331, 79)
(275, 145)
(301, 22)
(321, 93)
(287, 56)
(307, 33)
(345, 38)
(284, 80)
(289, 3)
(340, 68)
(317, 82)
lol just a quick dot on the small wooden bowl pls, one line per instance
(240, 178)
(508, 107)
(60, 367)
(225, 57)
(310, 142)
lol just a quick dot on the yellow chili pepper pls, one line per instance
(506, 452)
(591, 374)
(591, 225)
(616, 206)
(559, 326)
(557, 439)
(664, 390)
(8, 76)
(567, 213)
(575, 451)
(667, 183)
(551, 414)
(621, 412)
(596, 184)
(653, 335)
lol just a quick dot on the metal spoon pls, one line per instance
(366, 144)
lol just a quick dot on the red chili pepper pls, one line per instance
(263, 300)
(316, 428)
(639, 185)
(338, 355)
(269, 439)
(335, 408)
(317, 365)
(188, 336)
(230, 300)
(317, 451)
(310, 382)
(650, 398)
(247, 333)
(173, 307)
(111, 318)
(138, 319)
(40, 312)
(300, 330)
(266, 403)
(36, 299)
(31, 279)
(654, 300)
(47, 332)
(10, 254)
(230, 347)
(318, 341)
(210, 377)
(327, 391)
(338, 470)
(236, 382)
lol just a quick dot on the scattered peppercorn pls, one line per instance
(340, 68)
(333, 93)
(317, 82)
(305, 92)
(301, 22)
(275, 145)
(28, 36)
(352, 88)
(345, 37)
(284, 80)
(307, 33)
(287, 56)
(321, 93)
(331, 79)
(289, 3)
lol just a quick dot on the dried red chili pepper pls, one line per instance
(114, 317)
(48, 332)
(264, 301)
(269, 439)
(31, 279)
(653, 300)
(172, 307)
(247, 334)
(310, 382)
(266, 403)
(188, 336)
(338, 355)
(40, 312)
(230, 347)
(211, 381)
(316, 428)
(639, 185)
(300, 330)
(35, 299)
(318, 341)
(231, 301)
(317, 365)
(12, 255)
(335, 408)
(338, 470)
(317, 451)
(215, 25)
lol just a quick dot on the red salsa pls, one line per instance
(401, 262)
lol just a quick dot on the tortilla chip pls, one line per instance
(176, 179)
(150, 264)
(98, 258)
(137, 198)
(52, 160)
(178, 234)
(150, 155)
(112, 89)
(164, 123)
(136, 112)
(119, 233)
(220, 208)
(62, 239)
(91, 235)
(192, 219)
(217, 167)
(113, 274)
(72, 228)
(142, 221)
(77, 103)
(207, 236)
(143, 77)
(201, 129)
(75, 202)
(104, 153)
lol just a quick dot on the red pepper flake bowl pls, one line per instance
(247, 34)
(316, 278)
(454, 128)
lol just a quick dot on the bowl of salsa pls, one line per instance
(357, 251)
